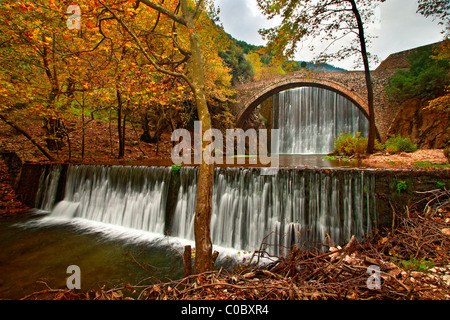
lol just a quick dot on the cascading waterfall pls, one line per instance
(48, 187)
(294, 206)
(183, 219)
(310, 118)
(129, 197)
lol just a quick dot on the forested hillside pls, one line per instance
(423, 91)
(76, 94)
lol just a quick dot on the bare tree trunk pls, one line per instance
(195, 79)
(119, 125)
(110, 133)
(187, 260)
(122, 144)
(202, 221)
(370, 97)
(82, 130)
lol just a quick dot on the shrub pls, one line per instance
(176, 169)
(401, 186)
(397, 144)
(378, 146)
(347, 144)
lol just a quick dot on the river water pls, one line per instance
(129, 224)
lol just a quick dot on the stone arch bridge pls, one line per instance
(350, 84)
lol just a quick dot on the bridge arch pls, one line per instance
(260, 93)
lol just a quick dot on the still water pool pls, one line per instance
(32, 252)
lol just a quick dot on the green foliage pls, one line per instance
(401, 186)
(438, 10)
(414, 264)
(428, 164)
(176, 169)
(440, 185)
(241, 68)
(347, 144)
(398, 144)
(426, 78)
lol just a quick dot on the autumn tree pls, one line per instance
(30, 66)
(185, 19)
(438, 10)
(264, 70)
(45, 66)
(234, 56)
(327, 21)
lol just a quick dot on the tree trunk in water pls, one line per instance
(372, 126)
(202, 222)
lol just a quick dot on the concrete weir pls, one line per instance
(296, 205)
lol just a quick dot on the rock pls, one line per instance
(417, 275)
(434, 270)
(249, 275)
(336, 253)
(395, 272)
(446, 278)
(428, 129)
(348, 259)
(390, 265)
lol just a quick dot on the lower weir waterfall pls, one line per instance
(293, 207)
(310, 118)
(249, 210)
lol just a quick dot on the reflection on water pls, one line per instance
(313, 161)
(40, 248)
(32, 251)
(45, 252)
(285, 160)
(302, 161)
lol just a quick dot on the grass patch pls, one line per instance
(414, 264)
(398, 144)
(340, 158)
(427, 164)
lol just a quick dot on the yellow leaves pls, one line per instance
(383, 241)
(441, 103)
(130, 10)
(48, 40)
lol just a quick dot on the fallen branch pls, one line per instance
(22, 131)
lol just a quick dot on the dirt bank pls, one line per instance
(415, 159)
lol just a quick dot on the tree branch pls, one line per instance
(44, 151)
(142, 49)
(164, 11)
(197, 8)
